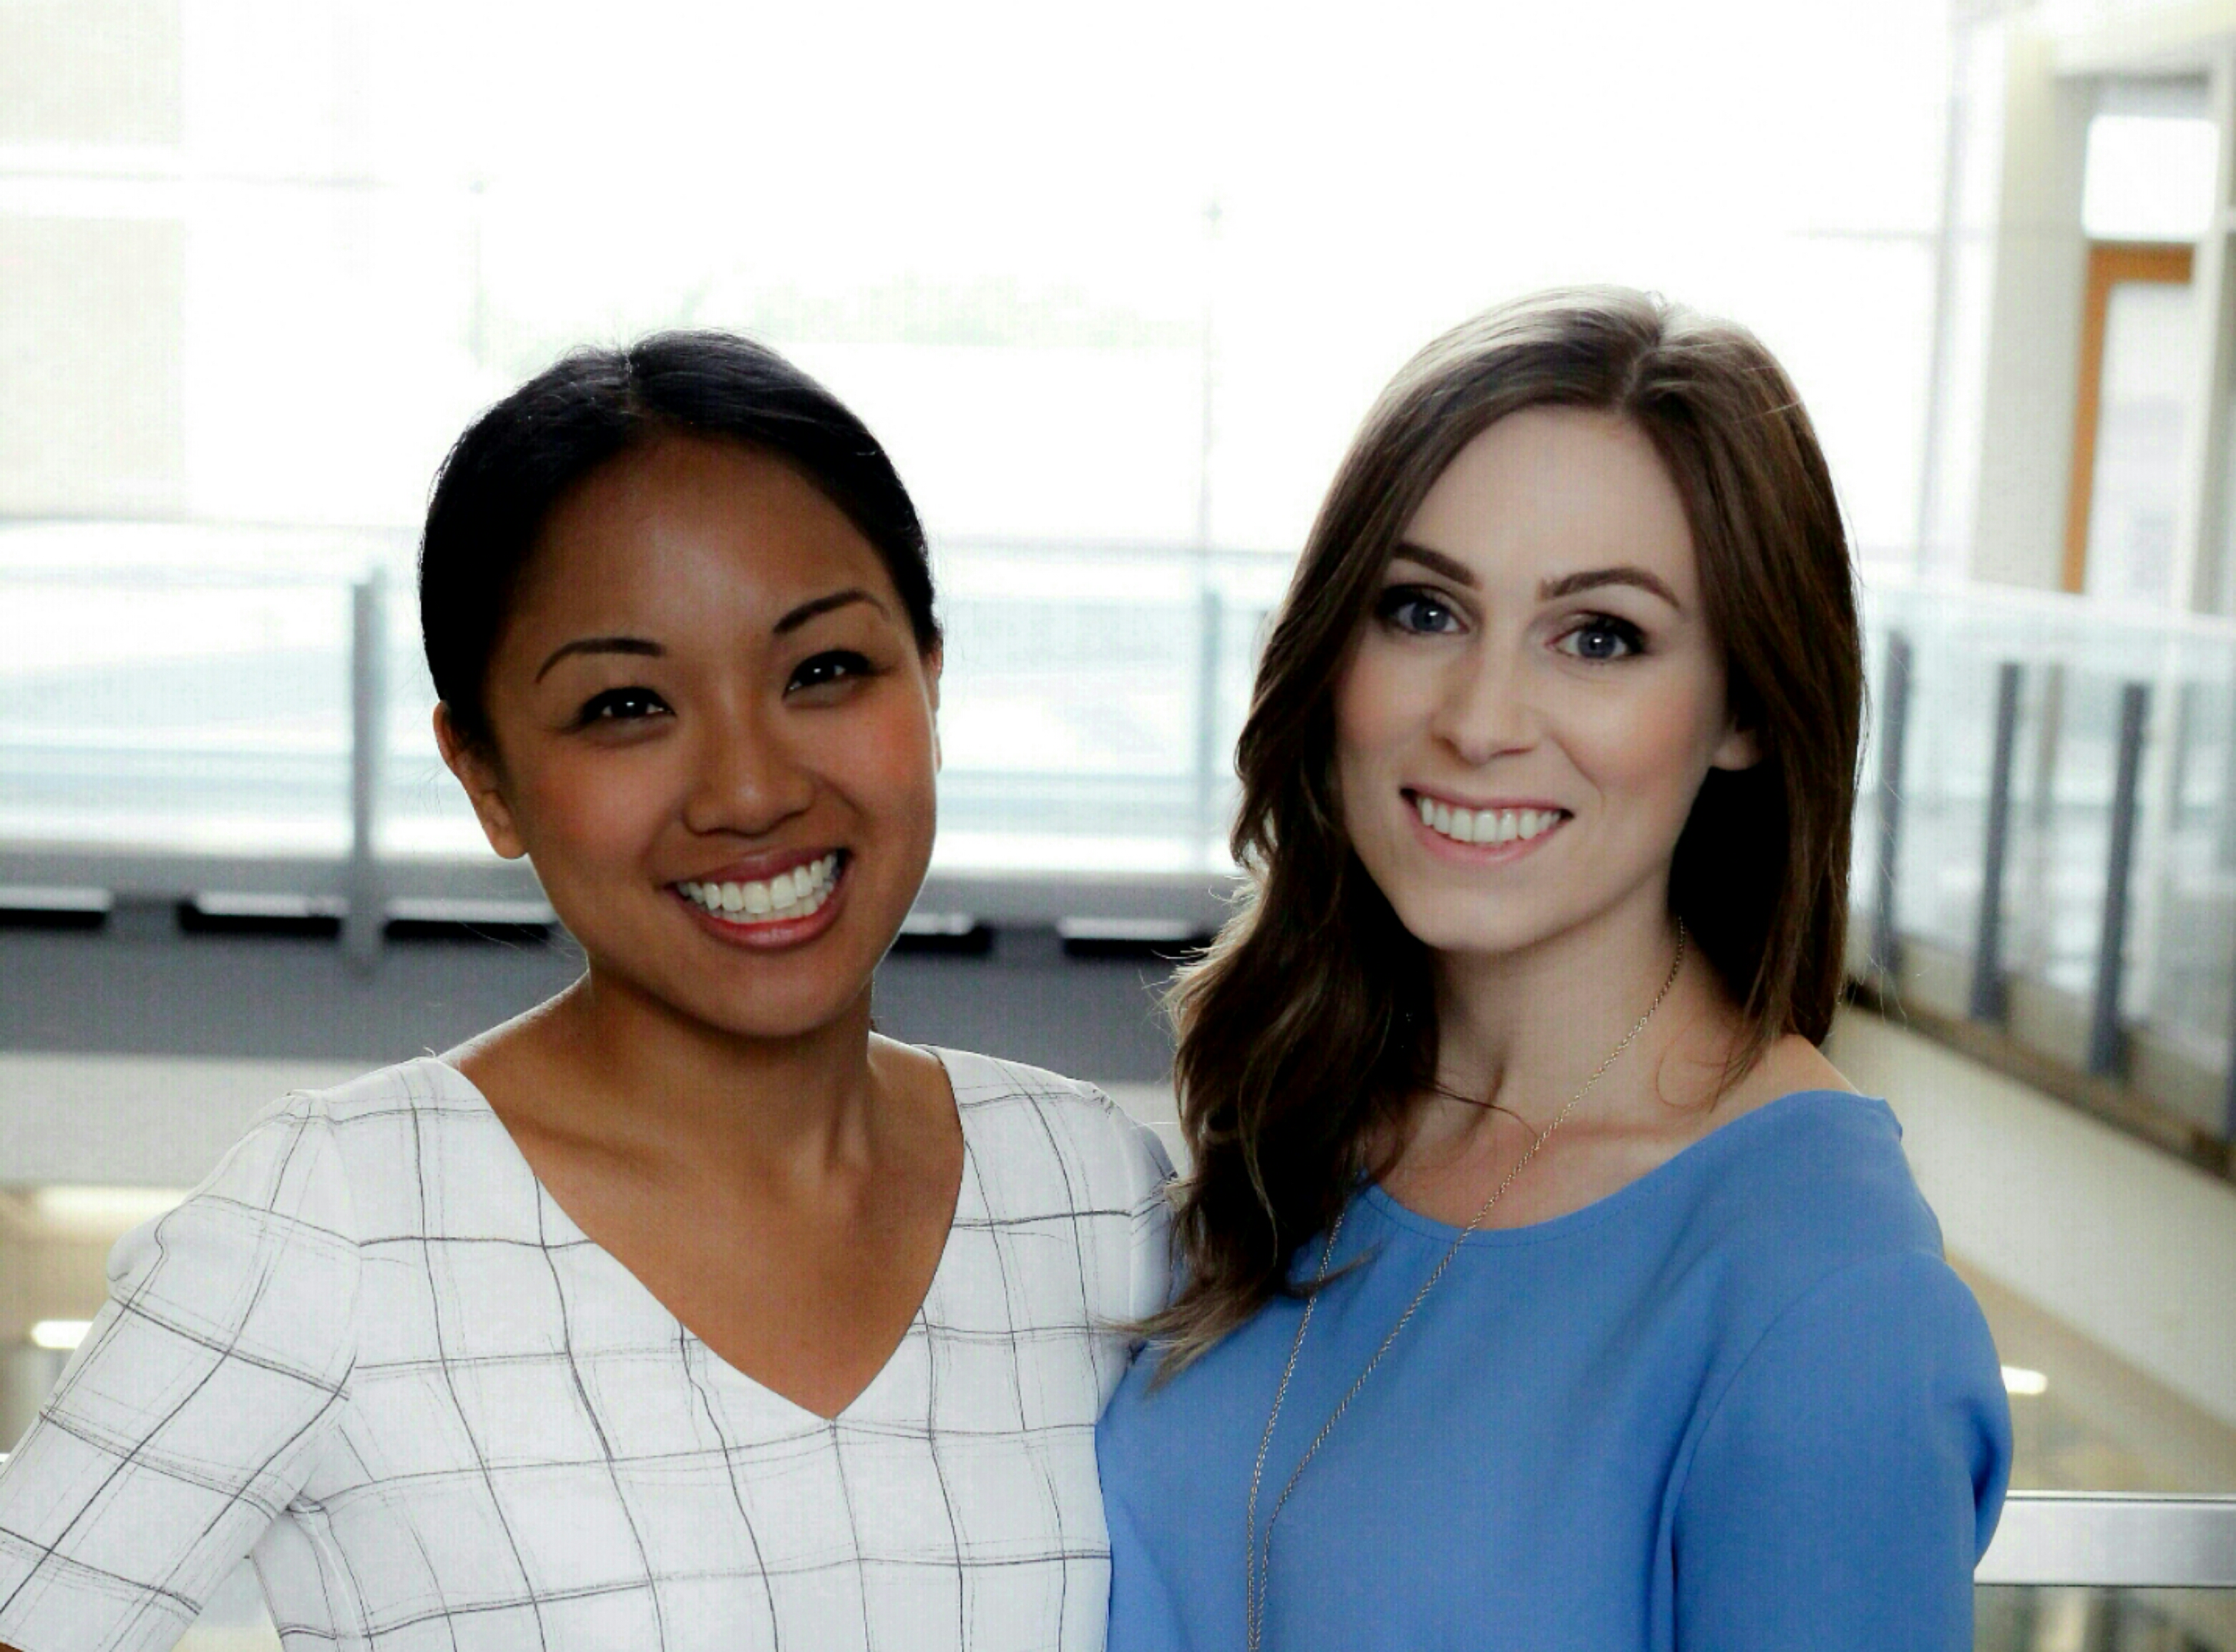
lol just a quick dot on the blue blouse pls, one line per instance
(1741, 1403)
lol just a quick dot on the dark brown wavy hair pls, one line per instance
(1309, 1025)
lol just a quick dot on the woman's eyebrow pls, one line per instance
(1435, 562)
(601, 645)
(822, 605)
(1592, 578)
(1548, 590)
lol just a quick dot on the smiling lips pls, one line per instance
(1491, 827)
(785, 897)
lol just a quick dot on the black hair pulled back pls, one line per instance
(501, 479)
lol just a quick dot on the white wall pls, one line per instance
(2119, 1241)
(135, 1120)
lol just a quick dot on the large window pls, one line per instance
(1114, 284)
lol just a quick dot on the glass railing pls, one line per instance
(152, 706)
(2050, 785)
(2046, 845)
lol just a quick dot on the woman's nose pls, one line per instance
(1487, 709)
(746, 778)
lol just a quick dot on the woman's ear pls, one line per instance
(1739, 748)
(934, 658)
(476, 767)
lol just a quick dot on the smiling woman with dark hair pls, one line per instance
(683, 1311)
(1545, 1287)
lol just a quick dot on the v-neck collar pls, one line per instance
(449, 1079)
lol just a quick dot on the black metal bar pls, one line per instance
(1894, 728)
(1986, 998)
(2104, 1040)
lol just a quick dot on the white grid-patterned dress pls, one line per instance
(373, 1354)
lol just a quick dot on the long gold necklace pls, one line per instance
(1259, 1563)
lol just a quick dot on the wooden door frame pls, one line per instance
(2172, 263)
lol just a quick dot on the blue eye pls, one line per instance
(821, 670)
(1417, 609)
(1603, 637)
(621, 706)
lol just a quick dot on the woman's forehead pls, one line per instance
(1553, 491)
(686, 523)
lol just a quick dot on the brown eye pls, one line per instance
(621, 705)
(820, 670)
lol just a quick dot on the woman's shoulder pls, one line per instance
(1831, 1289)
(403, 1091)
(1050, 1152)
(1803, 1188)
(1015, 1115)
(399, 1145)
(297, 1197)
(318, 1133)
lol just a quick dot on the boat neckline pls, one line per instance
(1687, 1162)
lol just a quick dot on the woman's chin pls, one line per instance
(746, 995)
(1449, 927)
(777, 1017)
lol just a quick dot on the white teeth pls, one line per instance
(1485, 826)
(794, 893)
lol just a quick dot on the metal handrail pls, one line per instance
(2113, 1540)
(2101, 1540)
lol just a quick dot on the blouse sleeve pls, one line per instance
(1152, 1219)
(193, 1411)
(1851, 1476)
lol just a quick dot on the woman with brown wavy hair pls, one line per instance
(1543, 1286)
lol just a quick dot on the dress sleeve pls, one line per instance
(194, 1408)
(1851, 1476)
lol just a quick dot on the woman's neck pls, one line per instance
(607, 1069)
(1524, 1030)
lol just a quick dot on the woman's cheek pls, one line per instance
(1649, 745)
(594, 805)
(1375, 703)
(890, 760)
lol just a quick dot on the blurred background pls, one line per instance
(1115, 284)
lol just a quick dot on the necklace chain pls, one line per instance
(1257, 1574)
